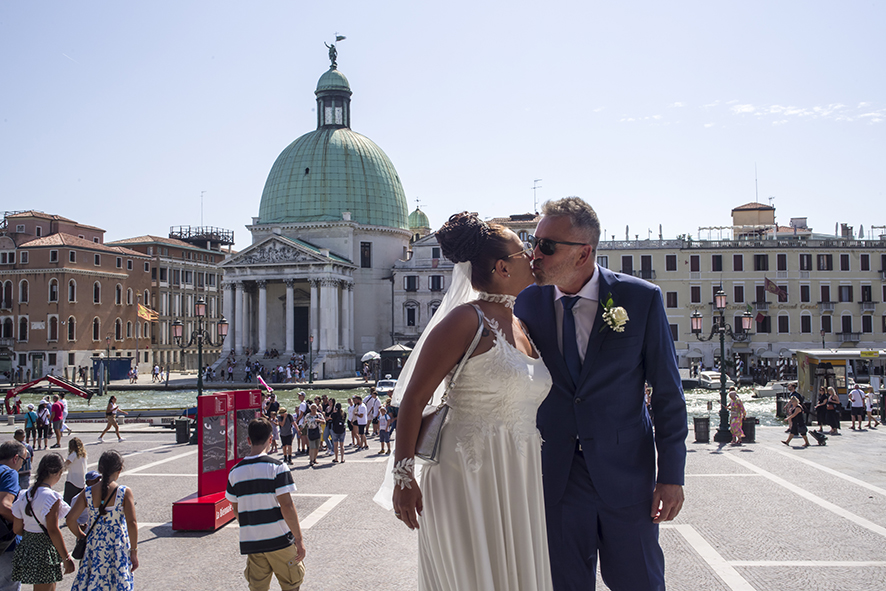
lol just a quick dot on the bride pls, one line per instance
(479, 512)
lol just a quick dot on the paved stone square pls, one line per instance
(758, 517)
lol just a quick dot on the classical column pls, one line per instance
(344, 317)
(262, 316)
(239, 315)
(315, 314)
(350, 340)
(228, 311)
(290, 317)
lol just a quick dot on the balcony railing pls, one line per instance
(761, 306)
(804, 274)
(647, 274)
(695, 275)
(826, 307)
(849, 337)
(781, 274)
(868, 306)
(7, 342)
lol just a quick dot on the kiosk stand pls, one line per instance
(222, 430)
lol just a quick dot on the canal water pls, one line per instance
(696, 401)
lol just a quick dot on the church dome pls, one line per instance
(418, 219)
(333, 170)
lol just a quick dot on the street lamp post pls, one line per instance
(106, 370)
(822, 339)
(722, 329)
(198, 336)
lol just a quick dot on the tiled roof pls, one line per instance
(753, 206)
(62, 239)
(51, 217)
(149, 239)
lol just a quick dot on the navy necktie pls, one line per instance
(570, 343)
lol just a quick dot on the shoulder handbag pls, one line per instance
(80, 546)
(427, 447)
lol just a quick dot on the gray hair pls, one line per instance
(582, 215)
(10, 449)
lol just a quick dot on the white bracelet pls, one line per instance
(404, 473)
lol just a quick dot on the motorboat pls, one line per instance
(385, 387)
(772, 389)
(710, 380)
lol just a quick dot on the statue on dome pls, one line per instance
(333, 54)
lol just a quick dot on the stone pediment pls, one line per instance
(275, 251)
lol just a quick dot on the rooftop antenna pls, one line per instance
(417, 203)
(201, 208)
(771, 199)
(535, 187)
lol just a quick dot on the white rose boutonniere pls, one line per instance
(614, 316)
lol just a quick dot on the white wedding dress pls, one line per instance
(483, 523)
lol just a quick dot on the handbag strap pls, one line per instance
(467, 355)
(104, 504)
(30, 510)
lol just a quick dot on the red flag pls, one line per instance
(773, 288)
(760, 317)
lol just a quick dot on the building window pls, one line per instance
(411, 315)
(805, 262)
(671, 262)
(72, 256)
(826, 293)
(96, 329)
(761, 262)
(163, 274)
(781, 262)
(864, 262)
(128, 329)
(867, 293)
(129, 296)
(53, 290)
(826, 324)
(867, 324)
(825, 262)
(6, 303)
(20, 228)
(435, 252)
(844, 262)
(736, 325)
(6, 332)
(675, 333)
(806, 324)
(119, 262)
(24, 258)
(118, 330)
(627, 264)
(411, 283)
(783, 294)
(366, 255)
(737, 262)
(39, 231)
(738, 294)
(23, 292)
(805, 293)
(846, 321)
(695, 294)
(436, 283)
(23, 329)
(716, 263)
(53, 329)
(764, 325)
(603, 261)
(845, 293)
(147, 267)
(129, 264)
(72, 328)
(96, 293)
(118, 295)
(694, 263)
(53, 256)
(671, 299)
(784, 324)
(97, 260)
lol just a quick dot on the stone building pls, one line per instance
(67, 296)
(332, 223)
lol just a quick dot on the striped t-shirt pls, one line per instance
(254, 484)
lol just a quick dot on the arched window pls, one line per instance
(7, 296)
(96, 329)
(145, 330)
(7, 328)
(412, 313)
(53, 290)
(72, 291)
(23, 329)
(23, 291)
(72, 328)
(97, 293)
(53, 328)
(128, 329)
(147, 299)
(118, 295)
(129, 297)
(118, 329)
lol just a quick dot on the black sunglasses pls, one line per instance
(549, 247)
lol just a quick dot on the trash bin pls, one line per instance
(182, 430)
(702, 429)
(749, 426)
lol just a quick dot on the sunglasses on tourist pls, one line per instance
(526, 251)
(549, 247)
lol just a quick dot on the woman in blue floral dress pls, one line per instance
(112, 546)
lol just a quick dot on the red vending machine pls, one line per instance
(222, 421)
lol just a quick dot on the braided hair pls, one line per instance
(109, 464)
(467, 238)
(51, 463)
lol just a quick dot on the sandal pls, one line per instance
(786, 443)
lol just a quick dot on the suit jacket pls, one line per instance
(606, 410)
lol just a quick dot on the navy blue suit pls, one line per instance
(599, 499)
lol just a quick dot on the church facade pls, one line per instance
(332, 223)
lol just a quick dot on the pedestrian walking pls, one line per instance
(737, 415)
(797, 421)
(43, 424)
(260, 491)
(869, 408)
(76, 466)
(57, 415)
(111, 416)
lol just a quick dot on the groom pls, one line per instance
(603, 493)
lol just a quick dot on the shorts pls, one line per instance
(43, 431)
(57, 425)
(857, 411)
(361, 429)
(280, 563)
(314, 443)
(286, 439)
(350, 426)
(31, 432)
(338, 437)
(375, 421)
(384, 437)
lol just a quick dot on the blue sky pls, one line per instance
(120, 114)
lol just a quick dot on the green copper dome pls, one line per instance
(418, 219)
(333, 170)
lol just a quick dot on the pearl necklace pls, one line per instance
(498, 298)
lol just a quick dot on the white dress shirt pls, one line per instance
(584, 311)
